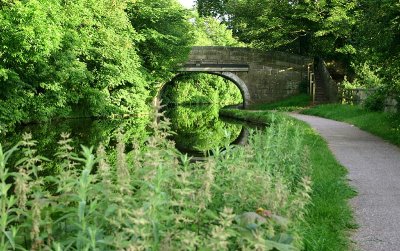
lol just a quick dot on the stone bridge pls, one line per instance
(262, 77)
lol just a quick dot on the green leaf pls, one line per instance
(10, 237)
(81, 210)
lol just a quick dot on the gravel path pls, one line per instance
(374, 170)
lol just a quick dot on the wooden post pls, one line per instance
(313, 88)
(309, 78)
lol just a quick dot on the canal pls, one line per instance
(196, 130)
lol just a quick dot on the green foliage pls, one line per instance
(328, 218)
(372, 82)
(199, 128)
(86, 58)
(70, 55)
(367, 77)
(201, 88)
(153, 198)
(212, 8)
(375, 101)
(211, 32)
(385, 125)
(377, 32)
(307, 27)
(166, 36)
(376, 40)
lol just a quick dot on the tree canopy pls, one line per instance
(86, 57)
(297, 26)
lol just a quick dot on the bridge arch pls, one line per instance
(235, 79)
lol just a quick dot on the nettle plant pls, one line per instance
(154, 198)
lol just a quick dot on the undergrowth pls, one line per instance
(154, 198)
(328, 218)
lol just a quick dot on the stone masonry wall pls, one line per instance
(272, 76)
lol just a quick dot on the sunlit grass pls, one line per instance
(289, 104)
(385, 125)
(329, 218)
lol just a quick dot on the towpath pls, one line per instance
(374, 170)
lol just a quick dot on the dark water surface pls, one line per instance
(198, 129)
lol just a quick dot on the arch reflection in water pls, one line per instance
(199, 129)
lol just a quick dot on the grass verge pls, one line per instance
(329, 217)
(289, 104)
(384, 125)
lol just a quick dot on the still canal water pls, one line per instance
(198, 129)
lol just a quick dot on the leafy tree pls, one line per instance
(211, 32)
(212, 8)
(26, 46)
(107, 48)
(166, 36)
(86, 58)
(60, 57)
(305, 27)
(376, 39)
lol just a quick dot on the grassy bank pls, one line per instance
(256, 117)
(384, 125)
(329, 217)
(289, 104)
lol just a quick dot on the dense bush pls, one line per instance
(59, 55)
(375, 101)
(369, 80)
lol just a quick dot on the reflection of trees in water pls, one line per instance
(87, 132)
(199, 128)
(201, 88)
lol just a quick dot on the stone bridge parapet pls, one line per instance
(262, 77)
